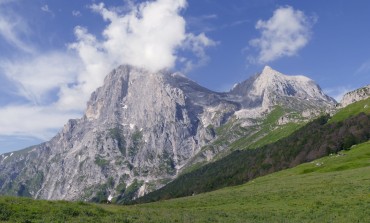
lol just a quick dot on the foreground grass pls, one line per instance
(332, 189)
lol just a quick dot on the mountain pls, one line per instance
(271, 104)
(141, 129)
(354, 96)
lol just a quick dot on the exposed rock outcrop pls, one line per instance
(354, 96)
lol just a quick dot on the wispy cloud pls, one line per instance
(37, 75)
(6, 1)
(284, 34)
(28, 120)
(197, 44)
(13, 28)
(338, 92)
(45, 8)
(364, 68)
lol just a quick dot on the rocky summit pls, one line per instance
(141, 129)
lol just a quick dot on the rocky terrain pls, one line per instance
(141, 129)
(354, 96)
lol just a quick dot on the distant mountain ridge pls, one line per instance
(270, 84)
(140, 129)
(269, 88)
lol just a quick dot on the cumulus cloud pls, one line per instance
(147, 36)
(57, 85)
(284, 34)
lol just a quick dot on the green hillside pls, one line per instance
(351, 110)
(315, 140)
(335, 188)
(269, 131)
(235, 137)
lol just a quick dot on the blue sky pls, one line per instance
(54, 54)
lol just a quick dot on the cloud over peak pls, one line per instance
(284, 34)
(150, 34)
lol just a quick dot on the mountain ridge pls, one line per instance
(139, 129)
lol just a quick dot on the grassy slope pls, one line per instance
(332, 189)
(351, 110)
(269, 131)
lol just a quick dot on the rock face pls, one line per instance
(140, 129)
(354, 96)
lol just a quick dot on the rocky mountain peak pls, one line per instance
(270, 88)
(270, 72)
(282, 84)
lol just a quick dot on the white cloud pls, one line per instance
(197, 45)
(36, 76)
(36, 121)
(45, 8)
(147, 36)
(58, 84)
(76, 13)
(284, 34)
(39, 80)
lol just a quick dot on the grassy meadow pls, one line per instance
(335, 188)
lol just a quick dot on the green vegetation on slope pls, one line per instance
(351, 110)
(235, 137)
(266, 131)
(17, 209)
(312, 141)
(332, 189)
